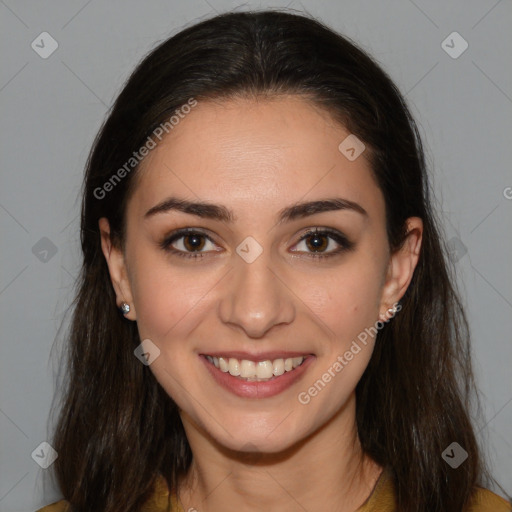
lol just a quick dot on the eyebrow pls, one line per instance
(224, 214)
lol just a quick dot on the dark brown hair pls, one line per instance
(118, 429)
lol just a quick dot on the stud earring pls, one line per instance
(125, 308)
(392, 311)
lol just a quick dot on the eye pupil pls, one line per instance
(317, 242)
(193, 242)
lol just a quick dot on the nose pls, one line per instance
(256, 299)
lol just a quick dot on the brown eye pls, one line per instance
(189, 243)
(317, 242)
(194, 242)
(323, 243)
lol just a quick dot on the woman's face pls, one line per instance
(251, 281)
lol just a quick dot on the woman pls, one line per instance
(265, 319)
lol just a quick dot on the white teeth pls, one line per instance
(251, 370)
(296, 361)
(247, 368)
(278, 366)
(234, 366)
(223, 365)
(264, 370)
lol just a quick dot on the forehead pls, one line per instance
(254, 153)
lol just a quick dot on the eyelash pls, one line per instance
(341, 240)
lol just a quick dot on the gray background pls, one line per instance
(52, 108)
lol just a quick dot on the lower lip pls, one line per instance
(254, 389)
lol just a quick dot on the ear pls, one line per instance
(117, 268)
(401, 267)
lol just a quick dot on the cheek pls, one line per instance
(347, 302)
(347, 299)
(166, 297)
(170, 303)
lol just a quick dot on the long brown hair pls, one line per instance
(117, 428)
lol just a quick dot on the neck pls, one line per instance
(328, 467)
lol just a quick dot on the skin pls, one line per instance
(257, 157)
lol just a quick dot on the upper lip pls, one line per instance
(259, 356)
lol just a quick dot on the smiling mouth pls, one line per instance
(256, 371)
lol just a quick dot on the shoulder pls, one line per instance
(158, 502)
(59, 506)
(383, 499)
(63, 506)
(486, 501)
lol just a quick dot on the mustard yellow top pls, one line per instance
(381, 499)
